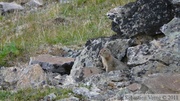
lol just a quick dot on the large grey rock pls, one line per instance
(165, 51)
(89, 57)
(22, 77)
(31, 76)
(53, 64)
(163, 83)
(142, 16)
(172, 28)
(107, 84)
(8, 7)
(157, 57)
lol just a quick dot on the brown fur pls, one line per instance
(109, 62)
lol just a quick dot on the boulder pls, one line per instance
(106, 85)
(31, 76)
(141, 17)
(9, 7)
(164, 50)
(22, 77)
(53, 64)
(89, 57)
(159, 56)
(163, 83)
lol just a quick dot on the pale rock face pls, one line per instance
(172, 28)
(31, 76)
(12, 6)
(163, 83)
(35, 3)
(23, 77)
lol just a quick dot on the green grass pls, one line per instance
(34, 94)
(85, 19)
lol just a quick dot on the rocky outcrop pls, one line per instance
(142, 16)
(153, 60)
(144, 54)
(53, 64)
(89, 57)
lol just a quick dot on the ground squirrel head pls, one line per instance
(105, 52)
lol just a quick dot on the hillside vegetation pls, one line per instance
(23, 32)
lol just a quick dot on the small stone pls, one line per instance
(50, 97)
(58, 77)
(134, 87)
(111, 85)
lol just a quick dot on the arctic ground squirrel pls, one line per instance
(110, 63)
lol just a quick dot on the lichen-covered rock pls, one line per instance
(22, 77)
(118, 47)
(172, 28)
(89, 57)
(163, 83)
(53, 64)
(85, 92)
(165, 51)
(160, 57)
(107, 84)
(31, 76)
(142, 16)
(9, 77)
